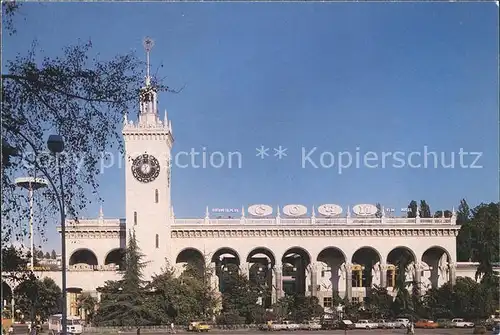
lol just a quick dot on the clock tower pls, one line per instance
(148, 145)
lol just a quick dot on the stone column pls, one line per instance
(314, 279)
(348, 283)
(214, 279)
(278, 282)
(453, 273)
(383, 275)
(417, 276)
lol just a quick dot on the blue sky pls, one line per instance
(383, 77)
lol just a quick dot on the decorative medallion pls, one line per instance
(364, 209)
(330, 210)
(260, 210)
(294, 210)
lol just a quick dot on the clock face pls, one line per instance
(145, 168)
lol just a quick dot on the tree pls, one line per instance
(425, 210)
(378, 214)
(39, 254)
(447, 214)
(465, 235)
(77, 95)
(184, 298)
(305, 308)
(88, 303)
(240, 297)
(38, 297)
(378, 303)
(53, 254)
(467, 297)
(463, 213)
(485, 241)
(13, 263)
(13, 259)
(403, 300)
(412, 209)
(351, 309)
(125, 302)
(47, 255)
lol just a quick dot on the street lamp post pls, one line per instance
(31, 184)
(55, 143)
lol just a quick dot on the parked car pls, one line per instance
(346, 324)
(444, 323)
(461, 323)
(401, 323)
(310, 325)
(384, 324)
(365, 324)
(290, 325)
(198, 326)
(426, 324)
(276, 326)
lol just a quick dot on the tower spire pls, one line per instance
(148, 46)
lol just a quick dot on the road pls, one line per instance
(362, 332)
(335, 332)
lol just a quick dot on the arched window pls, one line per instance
(156, 196)
(135, 218)
(157, 241)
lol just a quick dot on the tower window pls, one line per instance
(156, 196)
(157, 241)
(135, 218)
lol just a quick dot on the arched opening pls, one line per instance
(331, 260)
(295, 262)
(227, 264)
(399, 260)
(117, 257)
(83, 256)
(157, 241)
(262, 264)
(157, 196)
(364, 262)
(193, 262)
(72, 295)
(437, 259)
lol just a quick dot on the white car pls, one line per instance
(461, 323)
(401, 323)
(384, 324)
(365, 324)
(290, 325)
(310, 325)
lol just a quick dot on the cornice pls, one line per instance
(239, 232)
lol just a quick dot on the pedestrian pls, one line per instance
(172, 328)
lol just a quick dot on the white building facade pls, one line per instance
(314, 251)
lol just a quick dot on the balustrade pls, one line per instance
(316, 221)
